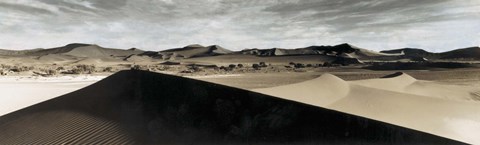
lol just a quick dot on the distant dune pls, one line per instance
(195, 50)
(149, 108)
(344, 54)
(400, 99)
(471, 53)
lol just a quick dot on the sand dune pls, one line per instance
(340, 50)
(135, 107)
(194, 50)
(330, 92)
(470, 53)
(403, 83)
(398, 99)
(343, 54)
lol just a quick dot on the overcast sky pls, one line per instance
(435, 25)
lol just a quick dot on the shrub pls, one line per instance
(108, 69)
(20, 68)
(186, 71)
(327, 64)
(263, 64)
(82, 68)
(136, 67)
(239, 65)
(51, 72)
(256, 66)
(299, 65)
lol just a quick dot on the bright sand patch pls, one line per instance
(444, 110)
(21, 92)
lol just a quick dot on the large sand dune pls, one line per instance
(150, 108)
(444, 110)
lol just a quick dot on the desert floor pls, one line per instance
(22, 91)
(432, 93)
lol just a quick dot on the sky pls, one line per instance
(434, 25)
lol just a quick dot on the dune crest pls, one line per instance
(403, 83)
(323, 90)
(394, 82)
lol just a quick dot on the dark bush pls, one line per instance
(262, 64)
(108, 69)
(299, 65)
(256, 66)
(327, 64)
(136, 67)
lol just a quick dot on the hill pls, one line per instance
(338, 50)
(463, 54)
(74, 49)
(471, 53)
(194, 50)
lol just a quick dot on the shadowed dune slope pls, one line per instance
(470, 53)
(138, 107)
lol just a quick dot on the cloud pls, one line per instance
(236, 24)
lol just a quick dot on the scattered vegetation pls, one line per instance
(108, 69)
(232, 66)
(135, 67)
(299, 65)
(81, 69)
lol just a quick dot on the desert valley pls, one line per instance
(341, 94)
